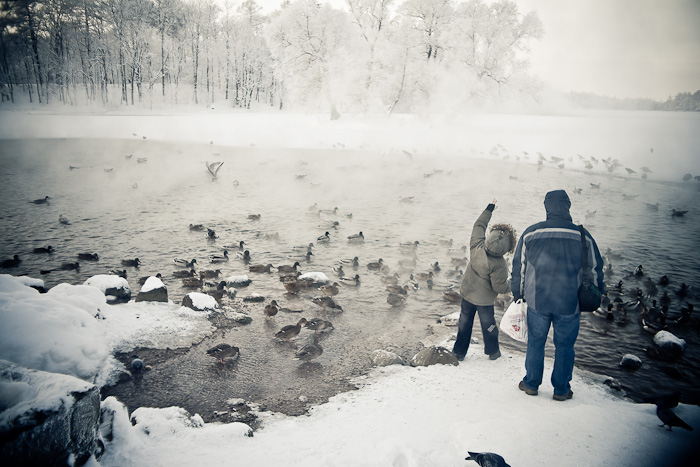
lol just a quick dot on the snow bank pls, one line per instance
(152, 283)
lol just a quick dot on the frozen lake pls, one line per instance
(399, 183)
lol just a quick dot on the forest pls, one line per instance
(374, 55)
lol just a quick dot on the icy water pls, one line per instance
(122, 208)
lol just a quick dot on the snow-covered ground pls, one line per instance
(400, 416)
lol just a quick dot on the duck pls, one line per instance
(211, 234)
(639, 271)
(63, 220)
(209, 273)
(351, 281)
(319, 325)
(142, 280)
(260, 268)
(355, 262)
(116, 272)
(287, 268)
(224, 351)
(395, 299)
(607, 313)
(452, 296)
(356, 238)
(435, 266)
(196, 227)
(43, 200)
(292, 286)
(325, 238)
(685, 313)
(683, 291)
(134, 263)
(89, 256)
(271, 309)
(390, 278)
(254, 217)
(185, 263)
(330, 289)
(48, 249)
(217, 290)
(375, 265)
(458, 251)
(70, 266)
(291, 330)
(459, 262)
(676, 213)
(664, 280)
(326, 302)
(303, 247)
(394, 288)
(183, 273)
(447, 243)
(329, 211)
(309, 351)
(409, 245)
(219, 258)
(244, 255)
(238, 246)
(423, 276)
(11, 263)
(192, 282)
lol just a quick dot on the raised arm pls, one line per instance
(479, 229)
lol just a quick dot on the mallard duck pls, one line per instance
(326, 302)
(89, 256)
(409, 245)
(225, 351)
(292, 286)
(70, 266)
(271, 309)
(309, 351)
(394, 288)
(116, 272)
(329, 211)
(376, 265)
(238, 246)
(185, 263)
(357, 238)
(452, 296)
(134, 263)
(324, 238)
(48, 249)
(447, 243)
(435, 266)
(254, 217)
(291, 330)
(390, 278)
(286, 268)
(459, 262)
(43, 200)
(352, 281)
(639, 271)
(318, 324)
(260, 268)
(355, 262)
(244, 255)
(192, 282)
(423, 276)
(458, 251)
(219, 258)
(210, 273)
(338, 271)
(196, 227)
(395, 299)
(302, 247)
(330, 289)
(676, 213)
(211, 234)
(11, 263)
(664, 280)
(183, 273)
(63, 220)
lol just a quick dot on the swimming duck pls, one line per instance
(70, 266)
(685, 314)
(286, 268)
(219, 258)
(224, 351)
(352, 281)
(675, 213)
(423, 276)
(302, 247)
(436, 267)
(134, 263)
(458, 251)
(254, 217)
(192, 282)
(452, 296)
(291, 330)
(63, 220)
(639, 271)
(245, 255)
(11, 263)
(182, 274)
(309, 351)
(325, 238)
(89, 256)
(44, 200)
(48, 249)
(664, 280)
(330, 289)
(260, 268)
(142, 280)
(447, 243)
(355, 262)
(329, 211)
(459, 262)
(196, 227)
(271, 309)
(395, 299)
(409, 245)
(376, 265)
(239, 246)
(292, 286)
(116, 272)
(683, 291)
(394, 288)
(209, 273)
(356, 238)
(185, 263)
(390, 278)
(326, 302)
(211, 234)
(319, 325)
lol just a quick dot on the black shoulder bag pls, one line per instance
(589, 295)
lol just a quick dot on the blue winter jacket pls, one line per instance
(547, 262)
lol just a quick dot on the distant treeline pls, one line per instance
(681, 102)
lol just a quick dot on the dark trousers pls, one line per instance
(488, 328)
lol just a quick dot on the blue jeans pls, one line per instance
(565, 334)
(464, 328)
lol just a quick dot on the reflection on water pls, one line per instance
(121, 208)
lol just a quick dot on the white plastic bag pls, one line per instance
(514, 321)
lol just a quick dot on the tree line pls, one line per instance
(681, 102)
(374, 55)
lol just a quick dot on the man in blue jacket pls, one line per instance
(547, 269)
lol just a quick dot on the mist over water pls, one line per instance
(400, 185)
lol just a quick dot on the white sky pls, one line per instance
(621, 48)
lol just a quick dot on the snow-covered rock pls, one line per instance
(314, 279)
(254, 297)
(153, 290)
(669, 345)
(238, 281)
(200, 302)
(630, 362)
(112, 286)
(433, 355)
(46, 418)
(385, 358)
(450, 320)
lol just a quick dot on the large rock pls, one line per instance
(630, 362)
(434, 355)
(153, 290)
(669, 345)
(45, 418)
(115, 288)
(200, 302)
(385, 358)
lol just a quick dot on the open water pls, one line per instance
(122, 208)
